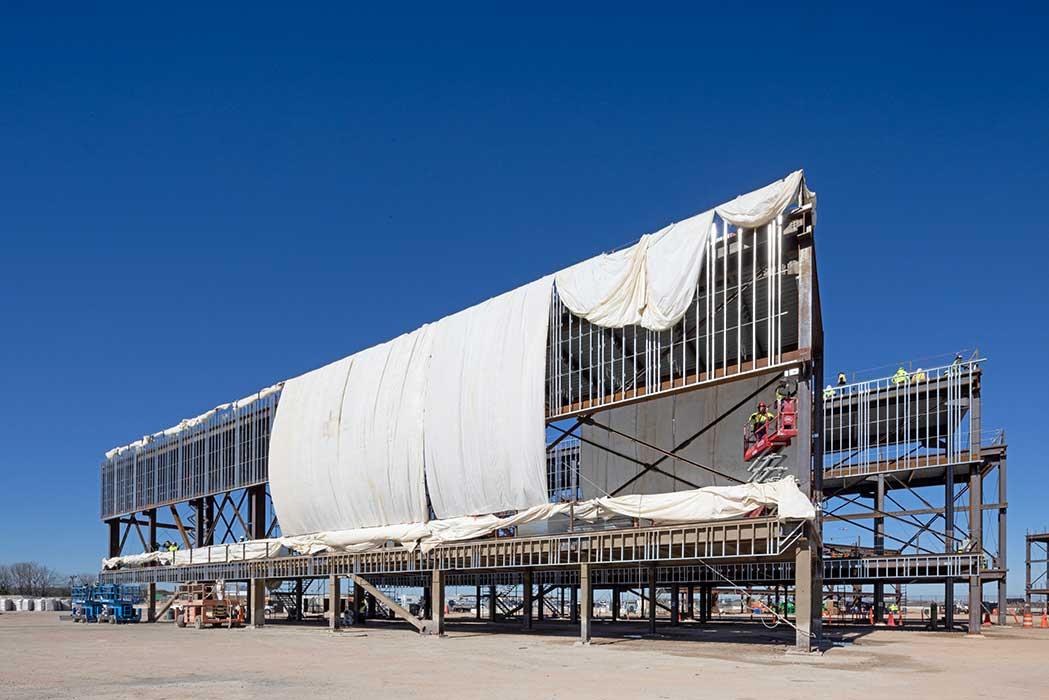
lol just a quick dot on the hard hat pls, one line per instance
(762, 405)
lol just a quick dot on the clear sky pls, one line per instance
(195, 203)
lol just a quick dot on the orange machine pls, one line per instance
(202, 605)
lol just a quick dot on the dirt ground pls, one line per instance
(43, 657)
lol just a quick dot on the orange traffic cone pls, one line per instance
(1028, 620)
(1045, 620)
(986, 619)
(870, 616)
(891, 622)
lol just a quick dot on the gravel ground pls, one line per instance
(43, 657)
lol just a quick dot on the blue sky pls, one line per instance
(196, 204)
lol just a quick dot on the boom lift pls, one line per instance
(780, 430)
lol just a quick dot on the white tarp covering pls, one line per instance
(456, 408)
(698, 505)
(159, 557)
(187, 423)
(222, 553)
(346, 449)
(353, 441)
(650, 283)
(214, 554)
(653, 282)
(485, 435)
(761, 206)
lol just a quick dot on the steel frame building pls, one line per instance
(756, 313)
(910, 450)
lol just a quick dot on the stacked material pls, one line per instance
(6, 605)
(24, 604)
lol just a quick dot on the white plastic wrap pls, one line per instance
(346, 450)
(485, 439)
(651, 283)
(698, 505)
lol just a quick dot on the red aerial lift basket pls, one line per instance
(778, 432)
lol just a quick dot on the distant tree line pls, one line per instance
(30, 578)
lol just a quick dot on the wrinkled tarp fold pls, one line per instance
(653, 282)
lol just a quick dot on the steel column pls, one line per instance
(437, 603)
(526, 608)
(949, 546)
(587, 595)
(651, 598)
(257, 594)
(1002, 564)
(334, 597)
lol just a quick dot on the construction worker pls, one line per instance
(828, 392)
(918, 376)
(172, 547)
(900, 377)
(760, 419)
(842, 381)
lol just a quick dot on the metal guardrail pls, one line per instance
(901, 421)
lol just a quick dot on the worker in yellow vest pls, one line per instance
(900, 377)
(760, 419)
